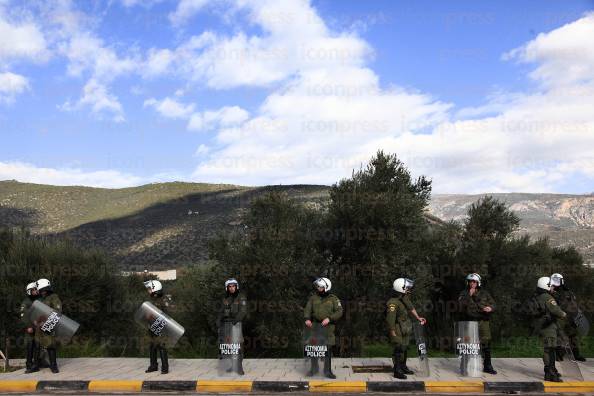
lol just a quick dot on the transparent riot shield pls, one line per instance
(230, 349)
(315, 348)
(50, 321)
(569, 366)
(421, 341)
(159, 323)
(468, 348)
(582, 323)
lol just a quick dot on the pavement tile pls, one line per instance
(442, 369)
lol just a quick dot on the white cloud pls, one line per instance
(210, 119)
(223, 117)
(29, 173)
(294, 39)
(11, 84)
(21, 41)
(87, 53)
(565, 55)
(143, 3)
(185, 10)
(158, 62)
(534, 141)
(72, 34)
(202, 150)
(170, 108)
(328, 118)
(97, 97)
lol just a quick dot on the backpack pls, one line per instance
(531, 308)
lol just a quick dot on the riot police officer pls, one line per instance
(32, 360)
(399, 309)
(476, 304)
(157, 345)
(324, 308)
(48, 340)
(567, 328)
(233, 310)
(546, 326)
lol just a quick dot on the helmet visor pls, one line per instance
(321, 283)
(408, 285)
(556, 281)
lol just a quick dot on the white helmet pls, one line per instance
(153, 285)
(403, 285)
(231, 281)
(43, 283)
(474, 277)
(30, 287)
(557, 279)
(544, 283)
(323, 282)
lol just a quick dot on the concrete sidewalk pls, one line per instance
(442, 369)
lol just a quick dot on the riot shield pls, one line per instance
(421, 341)
(230, 349)
(159, 324)
(50, 321)
(315, 348)
(569, 366)
(468, 348)
(582, 323)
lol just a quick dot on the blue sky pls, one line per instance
(480, 96)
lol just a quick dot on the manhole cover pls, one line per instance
(372, 369)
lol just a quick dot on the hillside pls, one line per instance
(564, 219)
(167, 225)
(156, 226)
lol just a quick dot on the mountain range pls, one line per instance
(167, 225)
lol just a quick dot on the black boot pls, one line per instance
(240, 363)
(404, 367)
(577, 355)
(314, 367)
(32, 364)
(240, 366)
(52, 355)
(487, 366)
(164, 360)
(43, 359)
(153, 365)
(328, 365)
(549, 375)
(552, 368)
(398, 373)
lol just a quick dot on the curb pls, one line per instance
(179, 386)
(338, 386)
(216, 386)
(403, 386)
(513, 387)
(454, 387)
(280, 386)
(223, 386)
(18, 386)
(62, 385)
(115, 386)
(573, 387)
